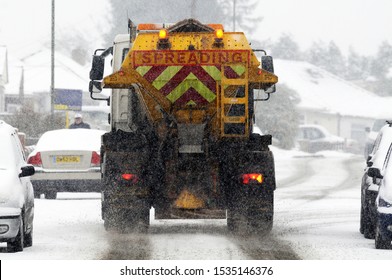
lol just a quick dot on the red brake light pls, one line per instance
(35, 160)
(255, 177)
(130, 177)
(95, 159)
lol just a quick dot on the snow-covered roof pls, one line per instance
(37, 73)
(3, 65)
(322, 91)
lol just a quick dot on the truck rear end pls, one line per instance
(182, 134)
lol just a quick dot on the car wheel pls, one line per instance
(368, 224)
(17, 244)
(380, 242)
(50, 195)
(361, 221)
(28, 239)
(37, 194)
(362, 215)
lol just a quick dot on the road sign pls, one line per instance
(67, 99)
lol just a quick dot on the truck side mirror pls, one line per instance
(271, 89)
(95, 87)
(97, 68)
(374, 172)
(267, 63)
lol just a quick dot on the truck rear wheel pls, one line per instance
(252, 219)
(249, 223)
(126, 220)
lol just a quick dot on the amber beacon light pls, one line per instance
(218, 38)
(163, 42)
(162, 34)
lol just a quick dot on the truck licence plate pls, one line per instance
(67, 159)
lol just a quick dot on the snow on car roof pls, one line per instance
(70, 139)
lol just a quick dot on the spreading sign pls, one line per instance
(144, 58)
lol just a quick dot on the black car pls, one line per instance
(371, 181)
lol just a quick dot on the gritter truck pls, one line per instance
(183, 143)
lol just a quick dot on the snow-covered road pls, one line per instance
(316, 217)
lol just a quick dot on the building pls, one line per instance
(30, 82)
(325, 99)
(31, 79)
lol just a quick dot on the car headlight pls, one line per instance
(3, 229)
(383, 203)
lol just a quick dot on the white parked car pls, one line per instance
(16, 192)
(67, 160)
(314, 138)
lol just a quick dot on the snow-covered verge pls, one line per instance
(319, 215)
(317, 204)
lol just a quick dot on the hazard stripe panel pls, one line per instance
(188, 84)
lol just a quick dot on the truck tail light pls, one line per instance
(95, 159)
(35, 160)
(252, 177)
(130, 177)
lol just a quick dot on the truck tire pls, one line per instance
(135, 219)
(237, 222)
(251, 220)
(261, 220)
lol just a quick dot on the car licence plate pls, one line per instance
(67, 159)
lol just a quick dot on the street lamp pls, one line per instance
(234, 15)
(52, 64)
(193, 8)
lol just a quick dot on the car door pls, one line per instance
(26, 186)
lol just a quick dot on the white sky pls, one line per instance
(362, 24)
(26, 24)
